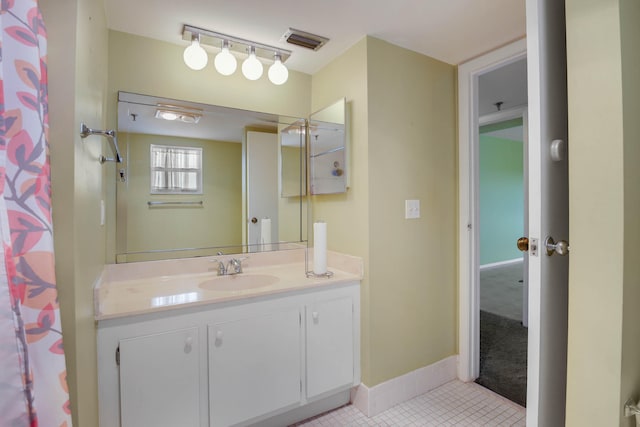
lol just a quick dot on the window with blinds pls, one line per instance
(176, 170)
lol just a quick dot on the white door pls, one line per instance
(548, 213)
(262, 190)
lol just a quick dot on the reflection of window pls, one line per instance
(176, 170)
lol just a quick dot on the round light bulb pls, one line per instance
(225, 62)
(195, 56)
(252, 67)
(278, 73)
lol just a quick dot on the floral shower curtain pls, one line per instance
(33, 386)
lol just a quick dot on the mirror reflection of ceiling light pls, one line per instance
(225, 61)
(182, 116)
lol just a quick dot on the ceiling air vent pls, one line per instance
(304, 39)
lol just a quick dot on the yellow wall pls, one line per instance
(604, 288)
(412, 155)
(347, 214)
(630, 43)
(77, 86)
(402, 123)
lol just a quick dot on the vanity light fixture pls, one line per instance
(224, 61)
(251, 67)
(230, 48)
(278, 73)
(194, 55)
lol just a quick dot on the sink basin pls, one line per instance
(238, 282)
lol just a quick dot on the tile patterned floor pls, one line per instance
(453, 404)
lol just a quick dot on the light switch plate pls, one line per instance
(411, 209)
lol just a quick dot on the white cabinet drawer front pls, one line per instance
(330, 340)
(254, 366)
(159, 380)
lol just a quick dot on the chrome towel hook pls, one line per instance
(86, 131)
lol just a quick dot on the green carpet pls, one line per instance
(503, 357)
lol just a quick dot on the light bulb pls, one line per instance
(252, 67)
(278, 73)
(168, 115)
(195, 56)
(225, 62)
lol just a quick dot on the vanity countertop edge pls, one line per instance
(153, 286)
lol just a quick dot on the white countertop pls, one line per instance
(145, 287)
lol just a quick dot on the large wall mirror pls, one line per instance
(200, 179)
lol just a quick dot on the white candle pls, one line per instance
(320, 247)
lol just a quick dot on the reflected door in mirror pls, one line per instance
(262, 190)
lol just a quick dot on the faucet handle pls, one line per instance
(222, 270)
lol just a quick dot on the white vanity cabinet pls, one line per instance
(254, 365)
(329, 345)
(269, 360)
(159, 379)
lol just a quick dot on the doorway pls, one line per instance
(469, 230)
(502, 206)
(547, 174)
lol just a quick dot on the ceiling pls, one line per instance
(452, 31)
(507, 84)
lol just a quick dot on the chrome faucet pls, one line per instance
(233, 266)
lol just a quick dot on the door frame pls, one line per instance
(468, 204)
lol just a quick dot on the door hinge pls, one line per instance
(118, 356)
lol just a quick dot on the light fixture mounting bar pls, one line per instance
(236, 44)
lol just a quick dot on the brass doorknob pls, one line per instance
(523, 244)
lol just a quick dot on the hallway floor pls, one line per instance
(501, 290)
(452, 404)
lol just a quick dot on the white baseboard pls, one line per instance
(501, 263)
(379, 398)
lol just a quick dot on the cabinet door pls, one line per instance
(160, 380)
(254, 366)
(329, 345)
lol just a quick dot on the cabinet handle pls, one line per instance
(188, 345)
